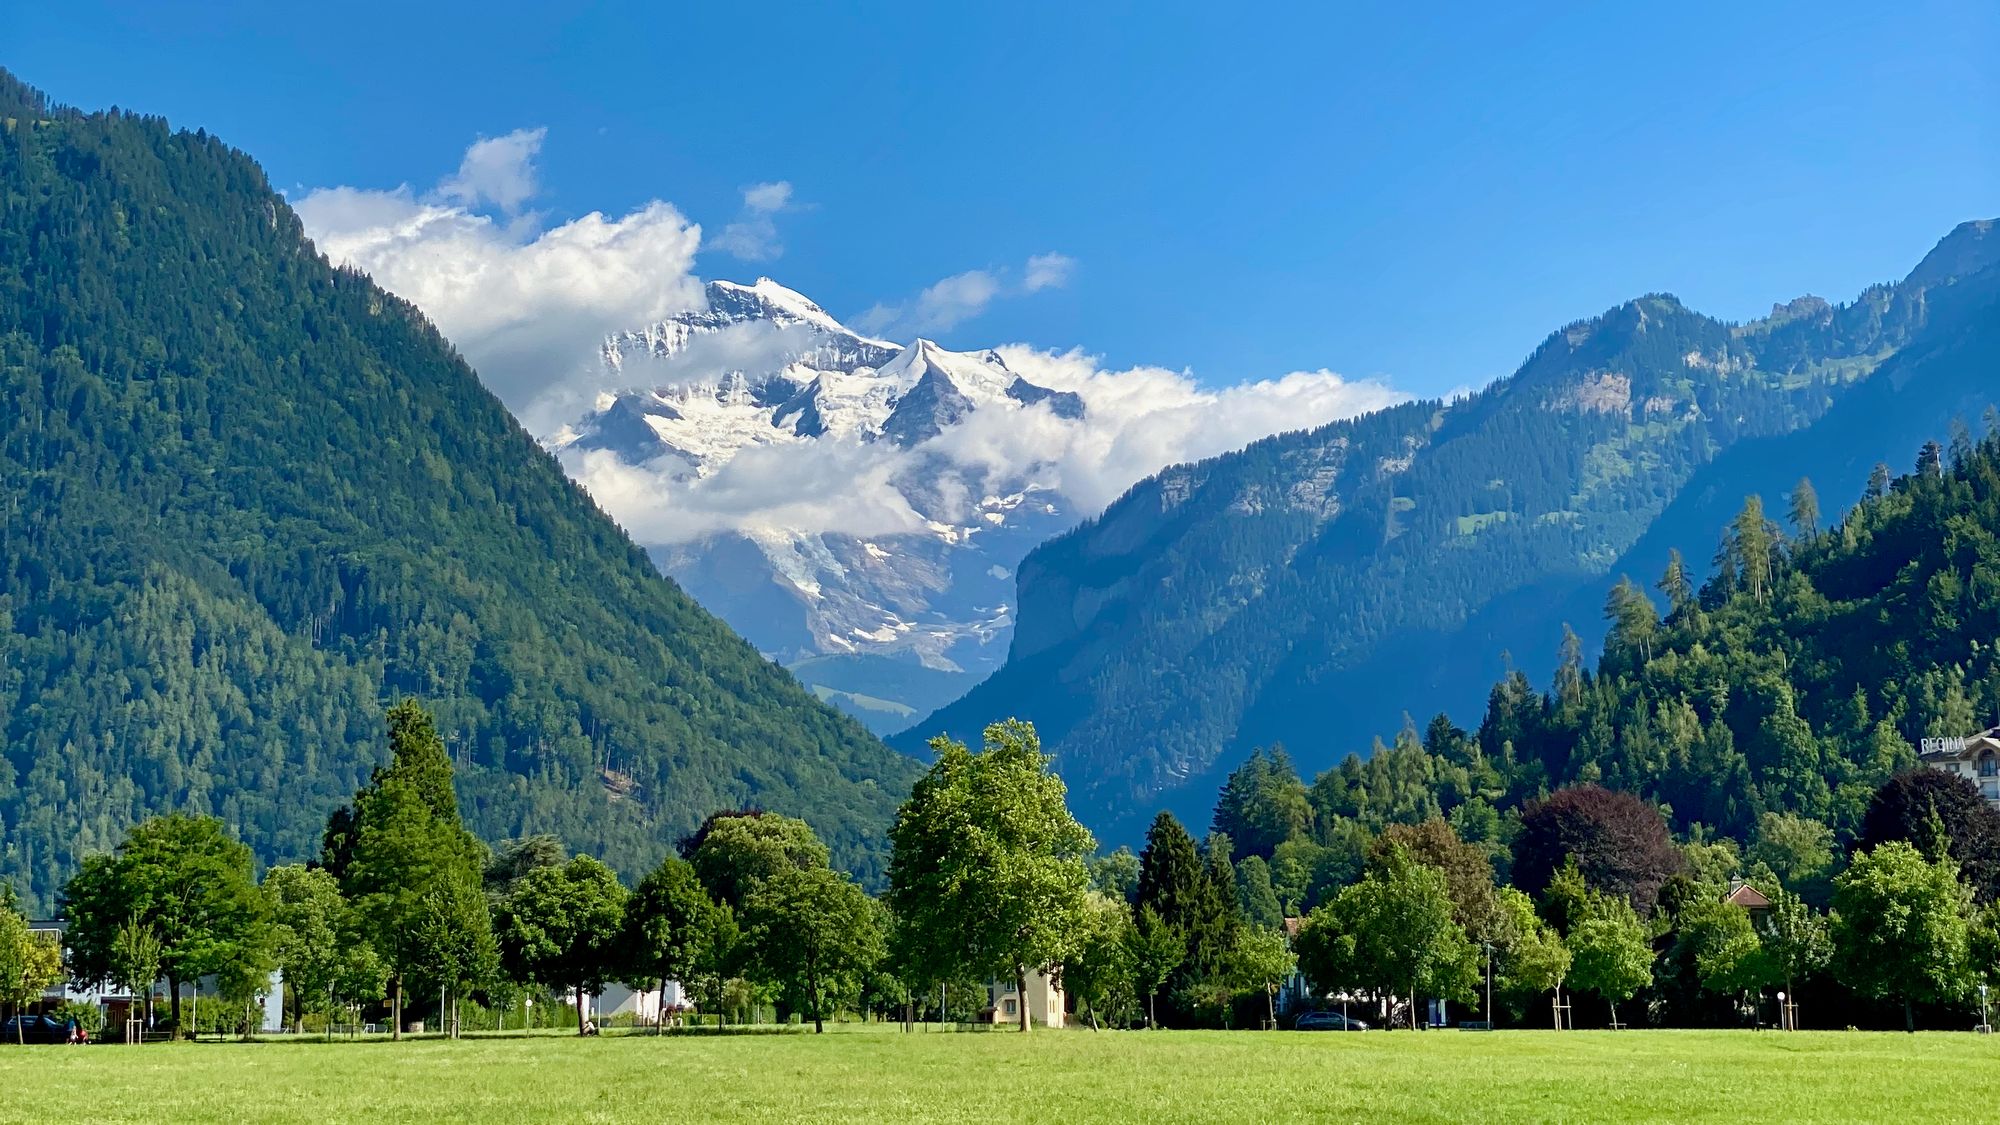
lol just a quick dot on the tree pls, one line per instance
(1100, 972)
(1676, 584)
(1634, 623)
(515, 858)
(134, 960)
(1719, 940)
(1752, 544)
(1533, 958)
(1609, 952)
(1799, 851)
(1392, 934)
(1188, 894)
(310, 931)
(1805, 509)
(1255, 896)
(1263, 804)
(1467, 871)
(413, 873)
(733, 852)
(1619, 842)
(1157, 948)
(1899, 929)
(987, 868)
(670, 927)
(1116, 874)
(1796, 944)
(812, 934)
(560, 928)
(1913, 805)
(29, 962)
(187, 881)
(1261, 961)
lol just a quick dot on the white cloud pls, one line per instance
(806, 487)
(753, 236)
(1048, 271)
(1136, 422)
(497, 170)
(964, 296)
(526, 307)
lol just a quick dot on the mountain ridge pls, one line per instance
(1281, 565)
(252, 498)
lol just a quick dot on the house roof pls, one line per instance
(1747, 897)
(1936, 751)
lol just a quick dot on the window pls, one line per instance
(1989, 764)
(1012, 1010)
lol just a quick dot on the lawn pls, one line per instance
(1047, 1076)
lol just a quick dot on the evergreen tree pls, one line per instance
(1805, 509)
(415, 873)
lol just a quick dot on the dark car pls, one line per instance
(1328, 1021)
(34, 1029)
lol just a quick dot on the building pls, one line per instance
(643, 1005)
(1975, 758)
(1044, 999)
(118, 1005)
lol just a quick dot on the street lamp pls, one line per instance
(1489, 983)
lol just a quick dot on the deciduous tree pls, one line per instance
(560, 928)
(812, 934)
(988, 868)
(1899, 929)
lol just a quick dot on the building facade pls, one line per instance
(1974, 757)
(1044, 1000)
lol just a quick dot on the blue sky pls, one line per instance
(1413, 195)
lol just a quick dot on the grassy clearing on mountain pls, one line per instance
(877, 1074)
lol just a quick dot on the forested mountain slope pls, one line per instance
(247, 500)
(1302, 589)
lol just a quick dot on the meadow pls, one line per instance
(1068, 1076)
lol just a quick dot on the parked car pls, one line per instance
(34, 1029)
(1328, 1021)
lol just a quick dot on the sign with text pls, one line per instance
(1944, 746)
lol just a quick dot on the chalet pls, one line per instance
(1974, 757)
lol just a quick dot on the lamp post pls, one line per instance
(1489, 982)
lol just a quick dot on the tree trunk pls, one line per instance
(660, 1012)
(1021, 983)
(1271, 1003)
(1152, 1018)
(174, 1001)
(396, 1006)
(579, 1009)
(1909, 1016)
(1614, 1012)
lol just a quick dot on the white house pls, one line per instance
(643, 1005)
(1974, 757)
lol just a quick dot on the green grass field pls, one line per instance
(1054, 1076)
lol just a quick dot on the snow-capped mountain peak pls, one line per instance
(762, 363)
